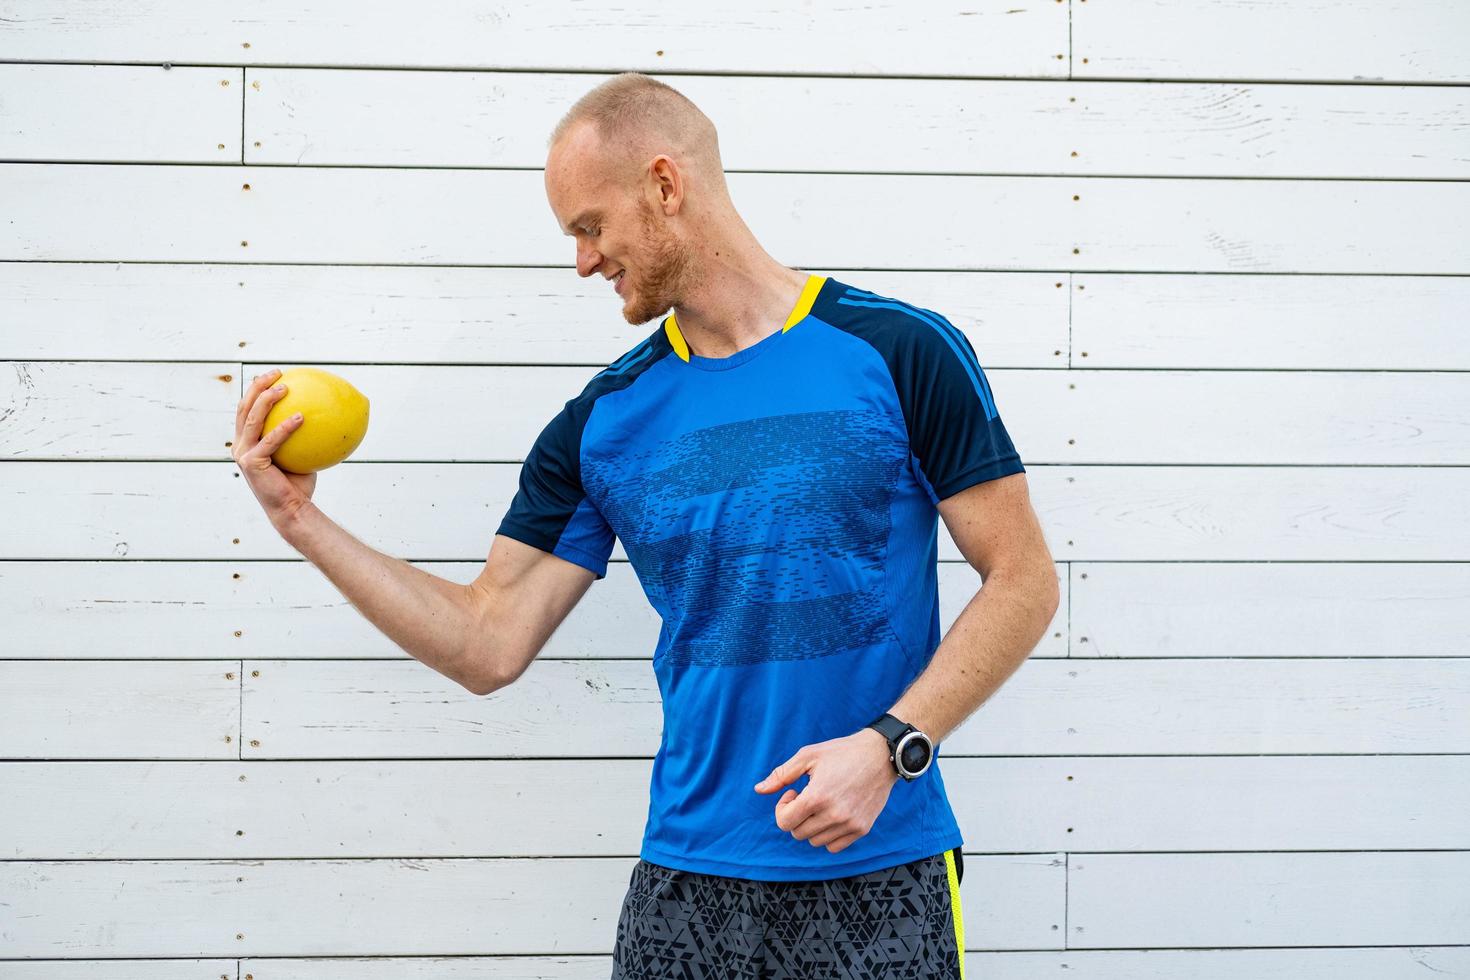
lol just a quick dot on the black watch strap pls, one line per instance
(891, 728)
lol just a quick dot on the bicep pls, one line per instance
(996, 528)
(551, 545)
(522, 595)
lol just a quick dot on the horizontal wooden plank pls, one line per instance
(415, 216)
(410, 906)
(283, 609)
(1382, 963)
(1284, 609)
(152, 969)
(102, 709)
(282, 908)
(503, 119)
(112, 113)
(1141, 513)
(449, 511)
(883, 37)
(1400, 42)
(1365, 41)
(1326, 899)
(1405, 963)
(134, 410)
(402, 314)
(67, 410)
(1250, 321)
(92, 410)
(1253, 803)
(610, 708)
(519, 807)
(584, 967)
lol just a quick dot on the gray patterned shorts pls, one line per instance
(899, 923)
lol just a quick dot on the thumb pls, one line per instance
(787, 772)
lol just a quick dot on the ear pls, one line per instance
(668, 184)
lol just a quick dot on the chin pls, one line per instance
(634, 312)
(633, 318)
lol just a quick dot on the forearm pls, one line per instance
(989, 640)
(430, 618)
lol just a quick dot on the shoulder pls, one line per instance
(926, 354)
(896, 327)
(908, 336)
(618, 375)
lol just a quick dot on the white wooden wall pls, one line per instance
(1213, 255)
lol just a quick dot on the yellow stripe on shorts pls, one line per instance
(954, 903)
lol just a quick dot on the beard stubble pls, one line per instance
(664, 274)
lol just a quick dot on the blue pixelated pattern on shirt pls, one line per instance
(778, 509)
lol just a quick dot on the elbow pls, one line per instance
(1046, 599)
(1053, 594)
(1039, 584)
(490, 673)
(1038, 588)
(481, 689)
(482, 681)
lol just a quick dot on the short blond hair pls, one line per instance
(637, 117)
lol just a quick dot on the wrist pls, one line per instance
(882, 750)
(293, 525)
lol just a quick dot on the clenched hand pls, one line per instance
(851, 778)
(281, 494)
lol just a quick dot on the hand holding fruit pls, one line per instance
(324, 418)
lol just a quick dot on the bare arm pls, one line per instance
(998, 532)
(482, 635)
(429, 617)
(521, 596)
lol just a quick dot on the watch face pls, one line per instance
(914, 755)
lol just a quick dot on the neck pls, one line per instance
(738, 296)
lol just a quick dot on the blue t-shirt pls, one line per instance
(778, 508)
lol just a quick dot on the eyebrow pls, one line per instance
(589, 214)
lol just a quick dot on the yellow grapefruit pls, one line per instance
(334, 418)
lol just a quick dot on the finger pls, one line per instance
(255, 420)
(785, 817)
(818, 822)
(826, 836)
(256, 386)
(842, 842)
(266, 444)
(787, 772)
(272, 440)
(819, 829)
(248, 401)
(795, 809)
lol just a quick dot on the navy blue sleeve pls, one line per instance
(551, 510)
(955, 429)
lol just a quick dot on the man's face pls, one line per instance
(619, 233)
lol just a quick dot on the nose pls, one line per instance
(588, 259)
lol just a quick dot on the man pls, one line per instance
(773, 457)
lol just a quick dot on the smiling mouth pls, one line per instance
(618, 282)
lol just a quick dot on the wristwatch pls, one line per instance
(909, 749)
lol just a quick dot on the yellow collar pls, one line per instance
(798, 313)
